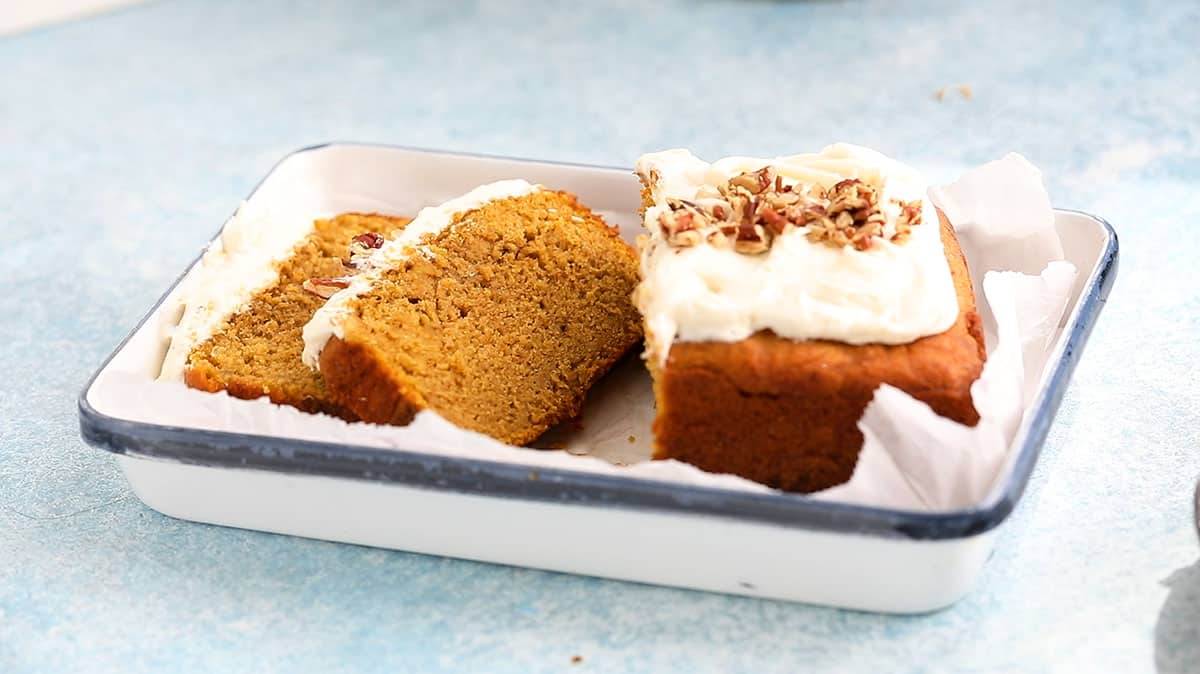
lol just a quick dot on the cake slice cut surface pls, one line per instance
(497, 310)
(254, 350)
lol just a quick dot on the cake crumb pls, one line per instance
(632, 439)
(964, 89)
(576, 659)
(534, 475)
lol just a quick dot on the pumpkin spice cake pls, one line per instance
(498, 310)
(246, 340)
(778, 294)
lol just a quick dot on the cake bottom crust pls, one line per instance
(208, 379)
(785, 413)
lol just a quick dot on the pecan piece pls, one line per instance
(909, 217)
(910, 213)
(781, 200)
(369, 240)
(361, 247)
(681, 227)
(754, 182)
(852, 194)
(752, 239)
(774, 220)
(325, 287)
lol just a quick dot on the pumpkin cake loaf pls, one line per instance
(497, 310)
(247, 340)
(778, 294)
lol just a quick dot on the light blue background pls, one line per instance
(126, 139)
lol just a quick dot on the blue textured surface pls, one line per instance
(126, 139)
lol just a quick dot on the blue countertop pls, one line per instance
(127, 138)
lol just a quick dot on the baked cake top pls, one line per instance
(828, 245)
(327, 321)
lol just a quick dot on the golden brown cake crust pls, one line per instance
(257, 353)
(785, 413)
(361, 378)
(516, 310)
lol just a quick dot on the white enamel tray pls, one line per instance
(774, 545)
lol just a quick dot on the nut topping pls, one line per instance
(910, 216)
(754, 207)
(361, 247)
(326, 287)
(369, 239)
(751, 239)
(754, 182)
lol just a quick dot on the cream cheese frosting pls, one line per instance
(891, 293)
(239, 263)
(326, 323)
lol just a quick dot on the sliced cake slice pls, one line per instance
(242, 327)
(498, 310)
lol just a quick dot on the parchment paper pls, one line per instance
(911, 457)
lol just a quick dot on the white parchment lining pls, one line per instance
(911, 458)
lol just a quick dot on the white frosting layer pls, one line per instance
(327, 321)
(237, 265)
(890, 294)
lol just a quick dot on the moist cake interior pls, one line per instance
(257, 353)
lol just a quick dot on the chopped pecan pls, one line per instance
(753, 208)
(802, 213)
(681, 227)
(751, 239)
(910, 212)
(853, 194)
(361, 247)
(781, 200)
(754, 182)
(774, 220)
(369, 239)
(910, 216)
(325, 287)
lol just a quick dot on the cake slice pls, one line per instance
(498, 310)
(241, 330)
(778, 294)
